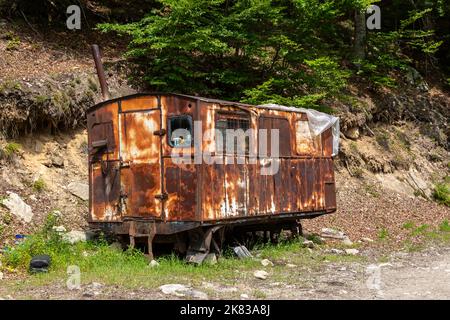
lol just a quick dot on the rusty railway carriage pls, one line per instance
(138, 193)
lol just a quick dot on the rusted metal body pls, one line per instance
(137, 189)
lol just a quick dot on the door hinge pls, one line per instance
(159, 132)
(162, 196)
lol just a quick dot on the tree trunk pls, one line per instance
(359, 45)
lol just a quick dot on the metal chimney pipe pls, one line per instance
(100, 71)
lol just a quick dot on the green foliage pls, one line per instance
(441, 193)
(39, 185)
(383, 234)
(9, 151)
(290, 52)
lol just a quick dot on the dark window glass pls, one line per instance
(180, 131)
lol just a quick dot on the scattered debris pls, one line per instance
(266, 262)
(40, 263)
(96, 285)
(366, 240)
(57, 161)
(291, 265)
(352, 251)
(211, 258)
(75, 236)
(81, 190)
(196, 257)
(332, 233)
(181, 290)
(352, 133)
(244, 296)
(242, 252)
(308, 244)
(260, 274)
(59, 229)
(154, 264)
(18, 207)
(346, 241)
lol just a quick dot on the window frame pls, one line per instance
(169, 129)
(234, 115)
(316, 141)
(281, 118)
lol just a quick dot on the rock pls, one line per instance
(366, 240)
(291, 265)
(1, 275)
(181, 290)
(242, 252)
(332, 233)
(174, 289)
(260, 274)
(308, 244)
(154, 264)
(75, 236)
(18, 207)
(81, 190)
(211, 259)
(33, 197)
(244, 296)
(266, 262)
(38, 146)
(57, 161)
(352, 133)
(336, 251)
(346, 241)
(352, 251)
(96, 285)
(59, 229)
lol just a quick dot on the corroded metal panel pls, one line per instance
(105, 192)
(180, 184)
(130, 135)
(140, 171)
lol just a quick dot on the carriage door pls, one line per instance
(140, 172)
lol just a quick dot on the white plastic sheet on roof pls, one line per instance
(318, 122)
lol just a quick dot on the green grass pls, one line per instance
(39, 185)
(130, 269)
(11, 148)
(383, 234)
(420, 236)
(441, 192)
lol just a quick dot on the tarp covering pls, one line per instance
(318, 122)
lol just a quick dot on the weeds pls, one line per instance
(39, 185)
(383, 234)
(441, 192)
(10, 151)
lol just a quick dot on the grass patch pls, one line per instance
(9, 151)
(100, 262)
(39, 185)
(383, 234)
(372, 190)
(419, 236)
(441, 192)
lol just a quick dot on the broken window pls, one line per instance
(234, 130)
(180, 131)
(306, 141)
